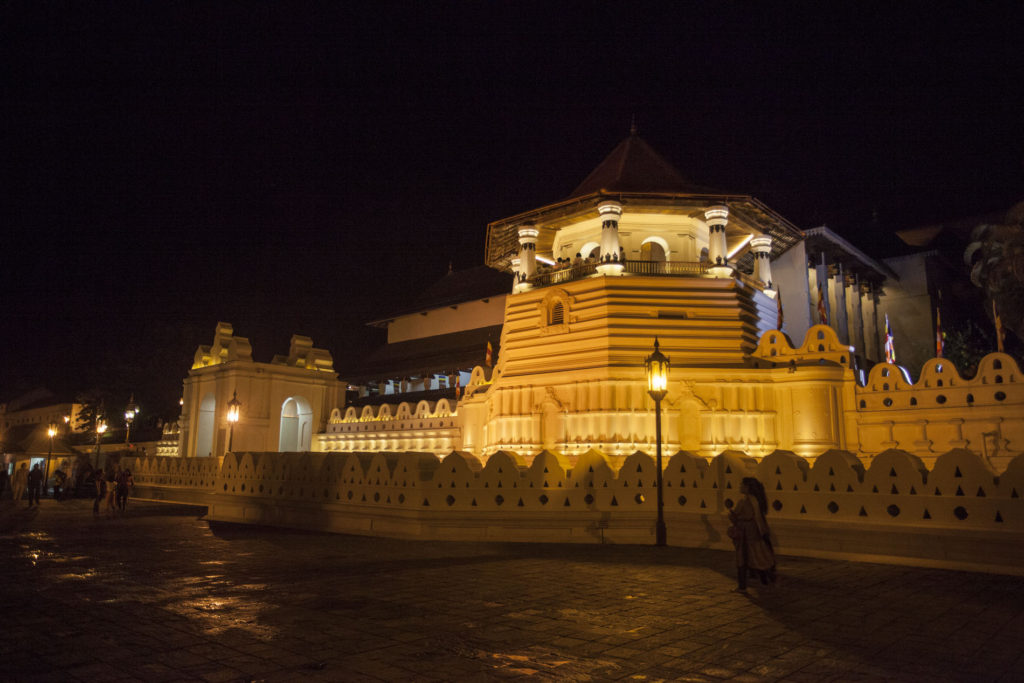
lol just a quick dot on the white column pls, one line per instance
(821, 272)
(870, 308)
(841, 324)
(856, 317)
(762, 249)
(717, 217)
(610, 212)
(812, 295)
(527, 256)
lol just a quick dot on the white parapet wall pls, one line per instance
(959, 514)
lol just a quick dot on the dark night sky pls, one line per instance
(301, 168)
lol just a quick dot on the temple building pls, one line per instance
(776, 338)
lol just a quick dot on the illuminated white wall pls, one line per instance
(789, 272)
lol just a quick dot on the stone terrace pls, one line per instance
(163, 595)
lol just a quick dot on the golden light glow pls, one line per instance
(67, 419)
(101, 427)
(743, 243)
(51, 432)
(233, 408)
(131, 410)
(657, 365)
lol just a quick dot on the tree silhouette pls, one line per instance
(996, 258)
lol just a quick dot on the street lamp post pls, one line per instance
(233, 409)
(101, 427)
(657, 365)
(130, 411)
(51, 432)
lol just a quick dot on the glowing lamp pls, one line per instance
(233, 410)
(657, 365)
(233, 407)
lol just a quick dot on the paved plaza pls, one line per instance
(162, 595)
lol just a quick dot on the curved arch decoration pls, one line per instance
(296, 426)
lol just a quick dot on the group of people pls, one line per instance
(564, 262)
(112, 485)
(23, 479)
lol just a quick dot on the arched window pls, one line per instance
(296, 425)
(557, 313)
(554, 312)
(590, 250)
(205, 430)
(652, 250)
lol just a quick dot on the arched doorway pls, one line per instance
(652, 250)
(205, 429)
(296, 425)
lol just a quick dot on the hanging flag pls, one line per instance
(822, 311)
(778, 306)
(458, 387)
(999, 327)
(489, 359)
(890, 346)
(940, 341)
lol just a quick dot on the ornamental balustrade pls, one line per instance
(960, 492)
(582, 270)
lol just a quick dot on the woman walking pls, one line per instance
(750, 534)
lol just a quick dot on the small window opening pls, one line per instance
(557, 314)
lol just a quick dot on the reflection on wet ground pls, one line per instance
(160, 595)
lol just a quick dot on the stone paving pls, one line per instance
(162, 595)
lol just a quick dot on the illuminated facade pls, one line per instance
(553, 441)
(570, 302)
(284, 402)
(638, 253)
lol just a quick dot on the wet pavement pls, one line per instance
(162, 595)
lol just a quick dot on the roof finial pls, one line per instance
(632, 125)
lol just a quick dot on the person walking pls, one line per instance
(750, 534)
(5, 479)
(124, 486)
(18, 482)
(111, 489)
(59, 479)
(35, 482)
(100, 482)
